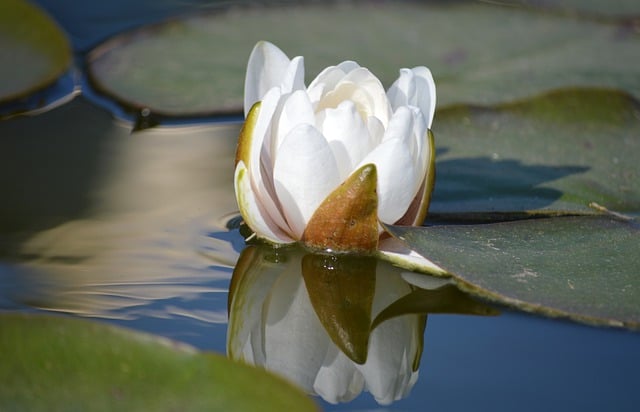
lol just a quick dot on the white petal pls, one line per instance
(398, 181)
(400, 92)
(293, 78)
(369, 83)
(296, 110)
(328, 78)
(348, 66)
(376, 130)
(260, 164)
(365, 90)
(396, 252)
(269, 67)
(401, 126)
(263, 126)
(415, 87)
(421, 149)
(347, 135)
(305, 172)
(266, 68)
(425, 93)
(253, 211)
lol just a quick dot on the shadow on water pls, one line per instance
(482, 184)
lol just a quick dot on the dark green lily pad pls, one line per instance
(53, 363)
(561, 152)
(34, 52)
(585, 268)
(479, 53)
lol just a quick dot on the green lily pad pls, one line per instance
(53, 363)
(558, 152)
(33, 50)
(586, 268)
(479, 53)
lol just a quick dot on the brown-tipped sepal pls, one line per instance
(347, 220)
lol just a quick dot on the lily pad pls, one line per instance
(33, 50)
(586, 268)
(479, 53)
(559, 152)
(53, 363)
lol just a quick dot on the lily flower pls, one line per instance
(326, 164)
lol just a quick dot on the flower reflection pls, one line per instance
(335, 325)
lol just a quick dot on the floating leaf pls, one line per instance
(53, 363)
(561, 151)
(33, 50)
(479, 53)
(585, 268)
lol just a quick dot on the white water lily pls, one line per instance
(300, 144)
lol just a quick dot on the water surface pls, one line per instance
(131, 229)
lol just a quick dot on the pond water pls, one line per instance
(132, 229)
(138, 230)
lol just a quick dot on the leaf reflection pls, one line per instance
(335, 324)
